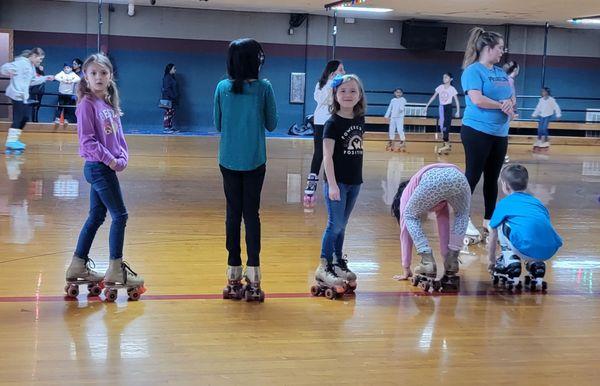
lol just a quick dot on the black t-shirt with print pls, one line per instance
(348, 150)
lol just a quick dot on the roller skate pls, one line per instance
(535, 274)
(445, 149)
(309, 192)
(451, 281)
(15, 147)
(120, 275)
(425, 274)
(328, 283)
(251, 289)
(507, 271)
(80, 273)
(340, 266)
(401, 148)
(541, 146)
(389, 146)
(472, 236)
(234, 288)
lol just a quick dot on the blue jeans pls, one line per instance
(543, 126)
(105, 193)
(338, 215)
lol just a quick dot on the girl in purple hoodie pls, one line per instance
(102, 145)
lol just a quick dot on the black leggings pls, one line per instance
(317, 159)
(242, 192)
(484, 153)
(447, 122)
(20, 114)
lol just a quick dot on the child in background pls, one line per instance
(395, 113)
(244, 109)
(547, 109)
(102, 145)
(522, 225)
(343, 161)
(66, 93)
(447, 93)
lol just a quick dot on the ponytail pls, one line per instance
(471, 54)
(478, 40)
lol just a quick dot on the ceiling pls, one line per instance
(460, 11)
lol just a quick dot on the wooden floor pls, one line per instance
(182, 332)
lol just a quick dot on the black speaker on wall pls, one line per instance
(422, 35)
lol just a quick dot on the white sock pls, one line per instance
(13, 135)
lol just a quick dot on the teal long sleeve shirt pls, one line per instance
(242, 120)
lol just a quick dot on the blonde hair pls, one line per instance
(361, 107)
(112, 93)
(478, 40)
(34, 51)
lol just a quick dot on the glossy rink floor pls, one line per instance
(182, 332)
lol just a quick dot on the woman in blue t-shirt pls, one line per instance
(489, 109)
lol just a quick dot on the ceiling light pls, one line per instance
(585, 20)
(362, 9)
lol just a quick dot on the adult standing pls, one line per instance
(489, 109)
(170, 92)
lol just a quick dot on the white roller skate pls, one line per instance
(234, 288)
(472, 236)
(536, 270)
(541, 146)
(80, 272)
(451, 281)
(401, 148)
(389, 146)
(425, 274)
(328, 284)
(445, 149)
(507, 271)
(309, 193)
(340, 266)
(120, 275)
(251, 289)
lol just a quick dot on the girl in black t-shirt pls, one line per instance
(342, 158)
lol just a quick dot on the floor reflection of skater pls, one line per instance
(434, 188)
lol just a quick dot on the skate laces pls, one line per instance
(127, 271)
(89, 264)
(342, 262)
(329, 269)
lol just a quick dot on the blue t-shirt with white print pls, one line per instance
(531, 231)
(493, 83)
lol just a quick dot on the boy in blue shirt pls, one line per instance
(522, 225)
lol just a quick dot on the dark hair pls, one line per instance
(399, 89)
(78, 61)
(515, 176)
(244, 58)
(450, 76)
(396, 203)
(478, 40)
(168, 68)
(330, 68)
(510, 67)
(547, 89)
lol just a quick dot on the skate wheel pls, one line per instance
(466, 241)
(495, 280)
(527, 280)
(110, 294)
(519, 287)
(544, 286)
(532, 286)
(437, 286)
(261, 296)
(425, 286)
(509, 286)
(315, 291)
(73, 291)
(239, 293)
(330, 294)
(95, 290)
(67, 289)
(414, 281)
(248, 295)
(226, 293)
(133, 295)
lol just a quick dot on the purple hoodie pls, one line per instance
(100, 133)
